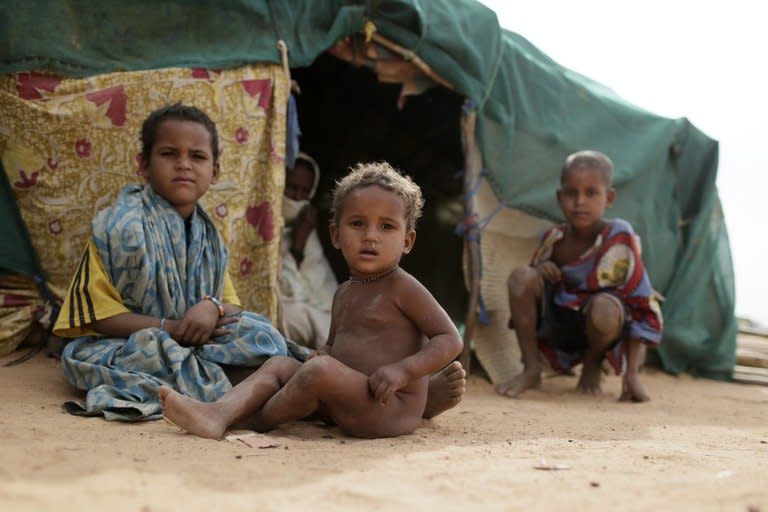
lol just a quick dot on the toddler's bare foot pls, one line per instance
(632, 391)
(518, 384)
(199, 418)
(589, 382)
(446, 389)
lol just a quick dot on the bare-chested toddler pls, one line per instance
(388, 333)
(586, 295)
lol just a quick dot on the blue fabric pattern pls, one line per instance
(292, 133)
(158, 272)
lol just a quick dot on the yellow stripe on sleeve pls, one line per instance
(91, 296)
(229, 294)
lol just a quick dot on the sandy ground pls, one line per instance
(699, 445)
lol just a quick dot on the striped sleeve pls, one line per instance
(91, 296)
(229, 294)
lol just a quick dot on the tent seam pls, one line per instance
(424, 26)
(494, 74)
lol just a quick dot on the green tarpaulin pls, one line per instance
(532, 112)
(16, 253)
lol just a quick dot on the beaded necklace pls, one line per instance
(372, 278)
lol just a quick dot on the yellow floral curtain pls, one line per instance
(69, 146)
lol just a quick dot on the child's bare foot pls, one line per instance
(446, 389)
(199, 418)
(589, 382)
(518, 384)
(632, 391)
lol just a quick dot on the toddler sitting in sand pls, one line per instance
(371, 376)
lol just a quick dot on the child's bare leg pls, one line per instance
(446, 388)
(525, 289)
(631, 389)
(604, 322)
(212, 419)
(323, 383)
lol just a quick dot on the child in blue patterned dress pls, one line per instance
(152, 302)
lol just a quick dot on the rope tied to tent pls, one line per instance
(471, 229)
(468, 106)
(476, 185)
(283, 49)
(467, 223)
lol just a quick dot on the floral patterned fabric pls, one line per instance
(613, 264)
(70, 145)
(20, 306)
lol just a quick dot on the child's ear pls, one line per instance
(560, 199)
(216, 172)
(334, 230)
(610, 197)
(144, 168)
(410, 239)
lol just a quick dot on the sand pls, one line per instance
(698, 445)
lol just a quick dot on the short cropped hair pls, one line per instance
(591, 160)
(383, 175)
(176, 112)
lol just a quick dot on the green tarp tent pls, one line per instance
(531, 113)
(16, 253)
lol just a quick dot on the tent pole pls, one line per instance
(409, 56)
(473, 164)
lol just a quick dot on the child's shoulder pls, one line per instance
(617, 225)
(619, 232)
(403, 276)
(554, 233)
(401, 283)
(116, 213)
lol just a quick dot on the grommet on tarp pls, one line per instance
(675, 151)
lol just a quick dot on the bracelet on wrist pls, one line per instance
(216, 302)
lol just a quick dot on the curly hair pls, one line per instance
(589, 159)
(383, 175)
(176, 112)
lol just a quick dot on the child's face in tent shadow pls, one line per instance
(181, 166)
(298, 182)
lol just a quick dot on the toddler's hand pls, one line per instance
(322, 351)
(385, 381)
(549, 272)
